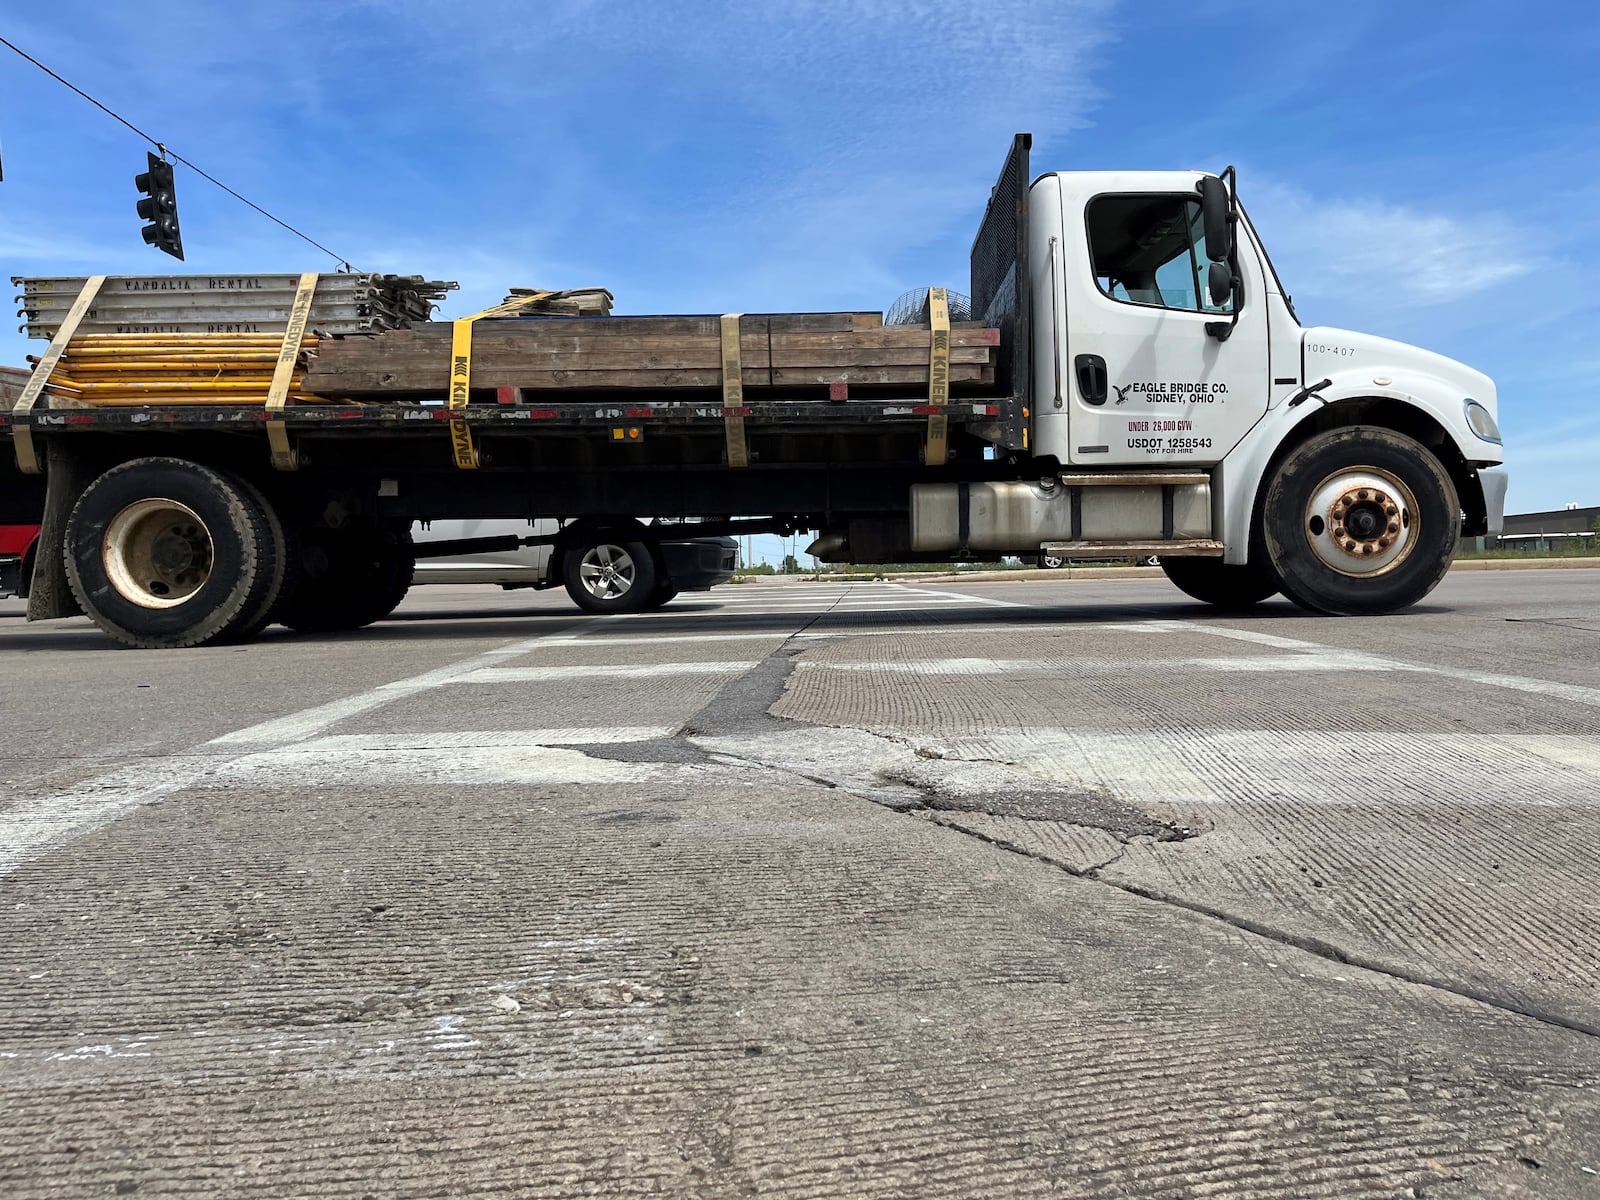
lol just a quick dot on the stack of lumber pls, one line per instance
(130, 370)
(789, 352)
(252, 304)
(574, 302)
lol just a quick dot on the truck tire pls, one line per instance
(609, 575)
(1360, 521)
(347, 580)
(165, 553)
(1228, 586)
(266, 610)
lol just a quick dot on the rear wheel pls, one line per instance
(1229, 586)
(165, 553)
(349, 578)
(265, 611)
(605, 575)
(1361, 520)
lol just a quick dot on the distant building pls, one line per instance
(1561, 529)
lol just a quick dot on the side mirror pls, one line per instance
(1219, 282)
(1214, 210)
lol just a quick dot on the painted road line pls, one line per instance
(601, 671)
(572, 735)
(1570, 693)
(901, 605)
(599, 639)
(33, 827)
(1167, 767)
(309, 766)
(987, 601)
(312, 721)
(1287, 663)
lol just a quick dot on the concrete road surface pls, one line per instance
(1049, 888)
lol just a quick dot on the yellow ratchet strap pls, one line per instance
(284, 457)
(733, 392)
(461, 374)
(938, 451)
(22, 410)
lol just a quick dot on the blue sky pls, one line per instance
(1429, 172)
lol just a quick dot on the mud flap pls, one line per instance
(66, 478)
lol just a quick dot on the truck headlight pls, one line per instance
(1481, 421)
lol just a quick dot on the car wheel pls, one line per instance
(609, 576)
(1052, 562)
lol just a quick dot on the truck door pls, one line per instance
(1147, 383)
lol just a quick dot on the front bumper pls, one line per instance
(701, 564)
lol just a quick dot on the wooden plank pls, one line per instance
(701, 326)
(408, 347)
(379, 386)
(804, 349)
(901, 356)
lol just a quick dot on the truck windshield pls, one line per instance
(1288, 300)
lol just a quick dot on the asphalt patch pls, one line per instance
(742, 707)
(655, 750)
(1088, 807)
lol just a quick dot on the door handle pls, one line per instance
(1091, 369)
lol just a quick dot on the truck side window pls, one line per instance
(1150, 250)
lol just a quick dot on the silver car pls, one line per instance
(602, 572)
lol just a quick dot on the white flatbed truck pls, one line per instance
(1155, 395)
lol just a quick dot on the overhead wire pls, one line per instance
(166, 151)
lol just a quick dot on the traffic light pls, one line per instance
(160, 207)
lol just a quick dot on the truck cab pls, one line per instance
(1173, 404)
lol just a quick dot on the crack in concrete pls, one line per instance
(744, 707)
(1318, 947)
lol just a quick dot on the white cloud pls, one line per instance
(1376, 254)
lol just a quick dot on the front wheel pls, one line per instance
(609, 576)
(1360, 521)
(1228, 586)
